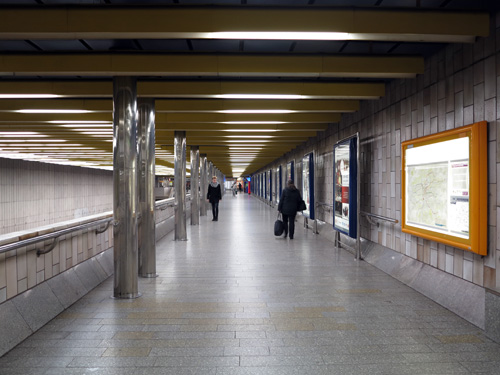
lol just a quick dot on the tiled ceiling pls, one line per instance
(73, 49)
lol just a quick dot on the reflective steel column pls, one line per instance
(125, 194)
(195, 183)
(203, 185)
(146, 139)
(180, 185)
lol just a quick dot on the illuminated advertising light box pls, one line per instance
(308, 184)
(445, 187)
(289, 171)
(345, 187)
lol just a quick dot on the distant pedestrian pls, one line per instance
(214, 195)
(289, 202)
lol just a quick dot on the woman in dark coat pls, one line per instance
(214, 195)
(289, 201)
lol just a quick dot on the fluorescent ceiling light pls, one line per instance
(95, 130)
(267, 111)
(260, 96)
(248, 136)
(278, 35)
(29, 96)
(53, 111)
(68, 123)
(33, 140)
(21, 134)
(248, 141)
(250, 130)
(245, 148)
(253, 122)
(64, 149)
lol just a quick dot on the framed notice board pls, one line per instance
(345, 187)
(445, 187)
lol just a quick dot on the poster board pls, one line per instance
(290, 175)
(445, 187)
(345, 187)
(308, 184)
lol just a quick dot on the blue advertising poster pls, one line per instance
(345, 187)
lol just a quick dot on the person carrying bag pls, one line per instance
(289, 205)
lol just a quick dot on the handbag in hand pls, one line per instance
(302, 206)
(279, 227)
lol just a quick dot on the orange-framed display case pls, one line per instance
(445, 187)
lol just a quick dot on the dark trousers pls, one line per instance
(215, 210)
(289, 221)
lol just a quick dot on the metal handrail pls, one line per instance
(324, 204)
(169, 202)
(164, 203)
(53, 235)
(379, 217)
(56, 234)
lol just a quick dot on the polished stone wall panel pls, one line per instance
(459, 87)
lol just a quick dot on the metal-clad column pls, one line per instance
(203, 184)
(180, 185)
(195, 182)
(147, 227)
(125, 192)
(222, 179)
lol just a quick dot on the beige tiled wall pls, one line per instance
(459, 87)
(37, 194)
(22, 269)
(34, 194)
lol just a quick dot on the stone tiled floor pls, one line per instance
(234, 299)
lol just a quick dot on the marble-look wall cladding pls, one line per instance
(34, 194)
(460, 86)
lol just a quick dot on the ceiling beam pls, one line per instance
(21, 23)
(216, 89)
(177, 118)
(216, 126)
(193, 105)
(198, 89)
(167, 65)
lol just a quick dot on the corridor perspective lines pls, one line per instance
(236, 300)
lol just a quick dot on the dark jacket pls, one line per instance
(214, 194)
(289, 201)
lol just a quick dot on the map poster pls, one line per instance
(444, 187)
(341, 187)
(437, 187)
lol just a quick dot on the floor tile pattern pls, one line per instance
(235, 300)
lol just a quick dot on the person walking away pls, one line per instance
(289, 202)
(214, 195)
